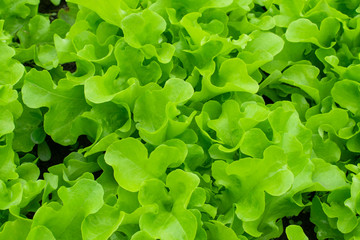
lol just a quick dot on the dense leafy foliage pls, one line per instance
(179, 119)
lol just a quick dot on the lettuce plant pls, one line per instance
(179, 119)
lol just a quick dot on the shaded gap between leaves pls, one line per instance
(46, 6)
(306, 224)
(58, 153)
(71, 67)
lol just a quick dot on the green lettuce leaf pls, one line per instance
(71, 101)
(64, 220)
(130, 154)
